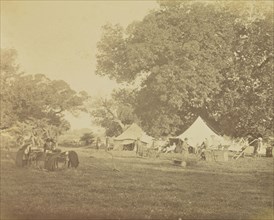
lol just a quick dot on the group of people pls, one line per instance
(185, 149)
(29, 152)
(50, 146)
(50, 155)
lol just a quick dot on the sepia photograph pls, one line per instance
(137, 109)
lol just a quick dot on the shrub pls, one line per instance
(87, 138)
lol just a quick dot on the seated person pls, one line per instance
(191, 150)
(171, 148)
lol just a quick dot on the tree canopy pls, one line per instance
(111, 114)
(87, 138)
(34, 99)
(197, 59)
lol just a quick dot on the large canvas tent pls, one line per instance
(130, 135)
(198, 132)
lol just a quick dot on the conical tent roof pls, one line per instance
(199, 132)
(134, 132)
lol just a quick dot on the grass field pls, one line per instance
(144, 188)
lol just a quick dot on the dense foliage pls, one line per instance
(213, 60)
(34, 105)
(87, 138)
(113, 115)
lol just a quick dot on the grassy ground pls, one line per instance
(142, 189)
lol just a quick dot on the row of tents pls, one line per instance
(195, 135)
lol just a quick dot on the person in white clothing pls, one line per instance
(171, 148)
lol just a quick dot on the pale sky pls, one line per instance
(58, 38)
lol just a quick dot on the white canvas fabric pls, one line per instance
(199, 132)
(130, 135)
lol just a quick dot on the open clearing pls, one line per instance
(145, 188)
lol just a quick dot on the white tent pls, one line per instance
(199, 132)
(130, 135)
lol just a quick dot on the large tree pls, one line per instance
(32, 99)
(9, 73)
(113, 115)
(245, 102)
(198, 59)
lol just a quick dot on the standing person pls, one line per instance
(48, 146)
(97, 143)
(138, 147)
(107, 144)
(260, 144)
(136, 143)
(204, 146)
(185, 147)
(185, 144)
(257, 146)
